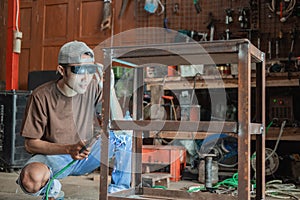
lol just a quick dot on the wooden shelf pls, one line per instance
(280, 79)
(289, 134)
(183, 135)
(241, 52)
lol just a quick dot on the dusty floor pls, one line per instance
(75, 188)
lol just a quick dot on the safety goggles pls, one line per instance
(84, 69)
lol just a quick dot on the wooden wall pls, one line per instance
(47, 24)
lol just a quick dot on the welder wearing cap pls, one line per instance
(59, 119)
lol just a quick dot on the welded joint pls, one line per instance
(262, 129)
(256, 128)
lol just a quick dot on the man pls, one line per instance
(59, 119)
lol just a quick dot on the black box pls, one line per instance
(12, 108)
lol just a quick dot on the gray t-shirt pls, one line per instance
(53, 117)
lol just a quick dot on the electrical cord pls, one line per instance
(278, 139)
(274, 188)
(88, 144)
(277, 189)
(229, 183)
(56, 175)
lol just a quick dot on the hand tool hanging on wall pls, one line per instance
(290, 65)
(123, 8)
(106, 15)
(277, 48)
(270, 48)
(243, 18)
(293, 36)
(165, 24)
(228, 20)
(211, 26)
(254, 10)
(284, 10)
(278, 43)
(175, 8)
(197, 6)
(152, 5)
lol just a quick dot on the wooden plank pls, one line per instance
(180, 126)
(214, 81)
(288, 134)
(183, 135)
(159, 194)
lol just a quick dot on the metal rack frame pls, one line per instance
(240, 51)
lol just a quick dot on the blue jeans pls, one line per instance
(120, 147)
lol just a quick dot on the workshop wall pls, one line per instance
(241, 19)
(48, 24)
(39, 48)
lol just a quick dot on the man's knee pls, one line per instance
(34, 177)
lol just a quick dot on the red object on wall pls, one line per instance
(12, 59)
(175, 156)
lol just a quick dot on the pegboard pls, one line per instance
(250, 19)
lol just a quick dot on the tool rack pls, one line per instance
(239, 51)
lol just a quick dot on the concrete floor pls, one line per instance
(75, 188)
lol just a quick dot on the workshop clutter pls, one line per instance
(164, 158)
(271, 25)
(156, 71)
(208, 171)
(191, 71)
(12, 151)
(188, 111)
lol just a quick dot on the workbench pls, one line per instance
(241, 52)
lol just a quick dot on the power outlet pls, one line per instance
(17, 41)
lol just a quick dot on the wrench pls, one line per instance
(106, 17)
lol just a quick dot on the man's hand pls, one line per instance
(78, 151)
(35, 146)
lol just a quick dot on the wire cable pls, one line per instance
(17, 15)
(56, 175)
(277, 189)
(88, 143)
(278, 139)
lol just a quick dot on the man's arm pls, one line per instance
(116, 110)
(115, 107)
(37, 146)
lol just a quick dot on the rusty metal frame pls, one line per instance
(245, 53)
